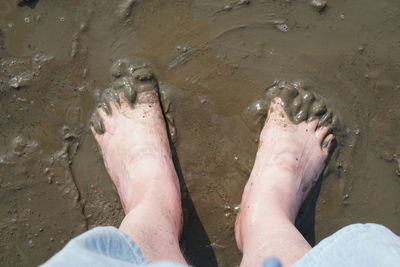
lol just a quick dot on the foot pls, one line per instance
(131, 132)
(133, 139)
(289, 161)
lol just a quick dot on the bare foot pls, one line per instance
(130, 129)
(134, 139)
(297, 150)
(289, 161)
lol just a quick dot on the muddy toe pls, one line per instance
(327, 144)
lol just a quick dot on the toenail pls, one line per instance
(325, 143)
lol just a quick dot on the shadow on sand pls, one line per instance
(195, 243)
(29, 3)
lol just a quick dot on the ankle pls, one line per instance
(159, 210)
(148, 180)
(278, 183)
(158, 192)
(253, 224)
(279, 196)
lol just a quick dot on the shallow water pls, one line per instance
(55, 59)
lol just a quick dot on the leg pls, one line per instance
(133, 140)
(288, 162)
(356, 245)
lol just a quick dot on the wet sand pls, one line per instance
(215, 58)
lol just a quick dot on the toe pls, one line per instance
(110, 100)
(289, 92)
(277, 114)
(322, 132)
(276, 101)
(123, 101)
(325, 119)
(129, 94)
(313, 125)
(276, 111)
(327, 144)
(103, 109)
(96, 124)
(115, 106)
(95, 134)
(296, 104)
(275, 106)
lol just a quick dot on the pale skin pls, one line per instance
(137, 156)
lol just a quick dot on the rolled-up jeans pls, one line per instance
(357, 245)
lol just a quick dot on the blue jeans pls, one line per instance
(355, 245)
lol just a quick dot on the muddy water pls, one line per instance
(217, 57)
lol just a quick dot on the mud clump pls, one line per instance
(132, 80)
(21, 146)
(395, 158)
(282, 27)
(300, 105)
(75, 45)
(167, 93)
(20, 80)
(255, 114)
(234, 5)
(124, 10)
(20, 72)
(184, 52)
(320, 5)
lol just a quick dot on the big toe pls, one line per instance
(276, 112)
